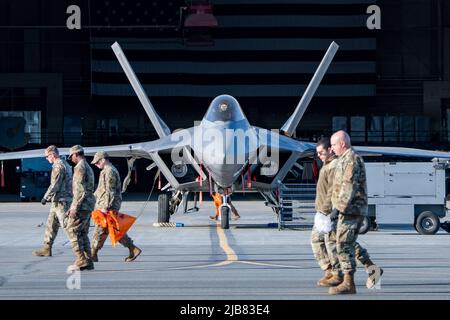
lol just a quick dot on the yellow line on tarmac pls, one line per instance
(223, 242)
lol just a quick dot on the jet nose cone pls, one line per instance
(225, 174)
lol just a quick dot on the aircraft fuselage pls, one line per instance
(228, 142)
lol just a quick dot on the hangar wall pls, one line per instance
(46, 68)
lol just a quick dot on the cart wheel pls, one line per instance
(427, 223)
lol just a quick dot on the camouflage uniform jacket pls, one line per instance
(60, 189)
(83, 187)
(325, 186)
(108, 192)
(349, 185)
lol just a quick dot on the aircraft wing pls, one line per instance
(39, 153)
(403, 152)
(177, 139)
(135, 150)
(281, 142)
(125, 150)
(289, 144)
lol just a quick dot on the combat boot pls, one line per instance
(94, 255)
(374, 276)
(134, 253)
(327, 276)
(346, 287)
(45, 251)
(335, 280)
(81, 263)
(88, 257)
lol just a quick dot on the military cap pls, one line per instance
(75, 149)
(99, 156)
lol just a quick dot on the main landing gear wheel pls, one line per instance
(163, 208)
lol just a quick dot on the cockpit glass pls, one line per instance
(224, 108)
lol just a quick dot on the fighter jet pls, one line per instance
(223, 153)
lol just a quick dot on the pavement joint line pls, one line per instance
(219, 264)
(268, 264)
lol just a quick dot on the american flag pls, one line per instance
(266, 50)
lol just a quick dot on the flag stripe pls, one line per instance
(293, 3)
(225, 56)
(249, 67)
(318, 21)
(235, 78)
(236, 44)
(243, 33)
(174, 90)
(271, 7)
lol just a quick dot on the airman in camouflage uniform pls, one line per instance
(109, 197)
(324, 245)
(80, 210)
(59, 193)
(349, 200)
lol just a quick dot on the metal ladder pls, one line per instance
(296, 205)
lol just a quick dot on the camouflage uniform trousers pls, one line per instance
(346, 245)
(56, 218)
(100, 235)
(78, 231)
(325, 251)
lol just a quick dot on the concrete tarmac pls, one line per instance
(201, 261)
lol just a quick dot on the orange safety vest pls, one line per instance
(217, 201)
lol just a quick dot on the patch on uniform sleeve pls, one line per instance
(56, 170)
(348, 172)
